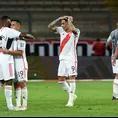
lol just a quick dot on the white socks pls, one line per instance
(72, 91)
(72, 86)
(115, 88)
(8, 95)
(64, 85)
(24, 93)
(18, 97)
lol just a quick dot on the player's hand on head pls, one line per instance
(63, 17)
(70, 18)
(60, 18)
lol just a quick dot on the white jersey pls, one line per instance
(7, 36)
(68, 42)
(20, 60)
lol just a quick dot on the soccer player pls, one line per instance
(7, 36)
(69, 36)
(21, 69)
(113, 39)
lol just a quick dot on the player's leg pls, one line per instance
(17, 93)
(72, 95)
(22, 78)
(72, 71)
(8, 73)
(24, 92)
(8, 94)
(115, 88)
(115, 82)
(62, 76)
(1, 78)
(1, 83)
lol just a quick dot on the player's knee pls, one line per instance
(61, 78)
(22, 85)
(16, 85)
(116, 76)
(9, 82)
(72, 77)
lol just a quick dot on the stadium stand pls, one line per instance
(92, 17)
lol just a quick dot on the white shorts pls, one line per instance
(115, 68)
(7, 71)
(21, 74)
(67, 68)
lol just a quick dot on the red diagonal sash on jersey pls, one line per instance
(65, 40)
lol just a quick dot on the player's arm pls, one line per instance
(108, 43)
(115, 56)
(26, 36)
(21, 45)
(72, 27)
(14, 53)
(52, 26)
(12, 33)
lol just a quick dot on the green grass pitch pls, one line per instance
(49, 99)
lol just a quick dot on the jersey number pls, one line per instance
(20, 74)
(21, 44)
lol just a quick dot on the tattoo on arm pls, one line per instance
(52, 24)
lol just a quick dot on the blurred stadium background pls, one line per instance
(94, 18)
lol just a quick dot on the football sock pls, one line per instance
(64, 85)
(18, 97)
(115, 88)
(24, 93)
(8, 95)
(72, 90)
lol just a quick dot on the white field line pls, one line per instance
(68, 80)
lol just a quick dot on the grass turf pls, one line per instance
(48, 99)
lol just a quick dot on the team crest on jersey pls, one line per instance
(21, 44)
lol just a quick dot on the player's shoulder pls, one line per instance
(60, 28)
(116, 30)
(4, 28)
(7, 29)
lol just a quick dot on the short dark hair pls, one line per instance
(5, 18)
(16, 20)
(66, 19)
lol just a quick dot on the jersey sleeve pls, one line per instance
(59, 30)
(11, 33)
(77, 35)
(78, 32)
(21, 45)
(109, 38)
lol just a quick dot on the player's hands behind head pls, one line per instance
(70, 18)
